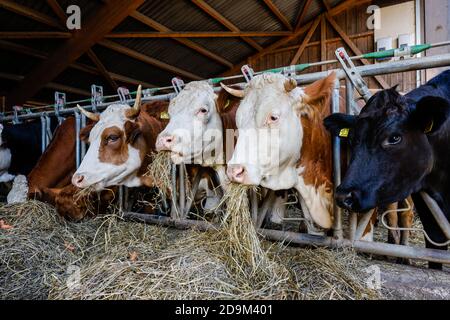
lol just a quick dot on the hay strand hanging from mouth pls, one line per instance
(159, 172)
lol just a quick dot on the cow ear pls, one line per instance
(84, 132)
(132, 131)
(430, 114)
(339, 124)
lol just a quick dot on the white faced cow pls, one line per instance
(120, 140)
(282, 143)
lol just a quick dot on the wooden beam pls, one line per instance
(354, 48)
(11, 46)
(302, 47)
(51, 85)
(149, 60)
(198, 34)
(335, 11)
(326, 5)
(323, 44)
(224, 21)
(186, 42)
(35, 35)
(102, 69)
(327, 41)
(29, 13)
(302, 14)
(100, 24)
(58, 11)
(273, 8)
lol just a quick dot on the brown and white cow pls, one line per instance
(282, 144)
(196, 132)
(121, 141)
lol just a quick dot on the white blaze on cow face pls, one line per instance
(270, 134)
(110, 159)
(194, 132)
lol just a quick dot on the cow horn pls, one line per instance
(234, 92)
(290, 84)
(93, 116)
(133, 112)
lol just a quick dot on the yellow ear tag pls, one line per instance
(430, 127)
(226, 104)
(344, 132)
(164, 115)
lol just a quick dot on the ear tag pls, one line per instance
(344, 132)
(430, 127)
(164, 115)
(226, 104)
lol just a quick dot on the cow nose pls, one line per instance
(77, 180)
(347, 199)
(165, 143)
(236, 173)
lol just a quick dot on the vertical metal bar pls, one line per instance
(195, 184)
(418, 11)
(254, 204)
(77, 137)
(182, 194)
(349, 98)
(174, 210)
(121, 198)
(337, 228)
(126, 204)
(43, 133)
(437, 214)
(83, 144)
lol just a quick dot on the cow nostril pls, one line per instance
(79, 178)
(348, 201)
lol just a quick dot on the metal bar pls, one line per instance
(337, 228)
(43, 135)
(270, 197)
(361, 226)
(182, 189)
(385, 249)
(83, 144)
(77, 137)
(437, 213)
(174, 211)
(365, 71)
(254, 205)
(195, 184)
(349, 109)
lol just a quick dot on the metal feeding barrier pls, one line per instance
(181, 202)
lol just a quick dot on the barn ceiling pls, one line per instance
(127, 42)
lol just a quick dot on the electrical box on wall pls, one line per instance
(384, 44)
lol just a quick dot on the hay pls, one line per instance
(41, 255)
(159, 172)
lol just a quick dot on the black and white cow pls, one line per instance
(400, 146)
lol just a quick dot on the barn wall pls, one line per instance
(354, 23)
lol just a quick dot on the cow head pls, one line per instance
(194, 132)
(112, 157)
(391, 150)
(270, 132)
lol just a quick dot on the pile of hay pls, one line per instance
(43, 256)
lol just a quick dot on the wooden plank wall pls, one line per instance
(353, 21)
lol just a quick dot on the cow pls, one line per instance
(276, 120)
(122, 139)
(196, 132)
(400, 147)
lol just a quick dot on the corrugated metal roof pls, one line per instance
(177, 15)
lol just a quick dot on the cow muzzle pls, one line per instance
(79, 181)
(165, 143)
(348, 199)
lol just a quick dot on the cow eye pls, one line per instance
(273, 118)
(393, 140)
(203, 110)
(112, 138)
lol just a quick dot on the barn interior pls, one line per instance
(66, 46)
